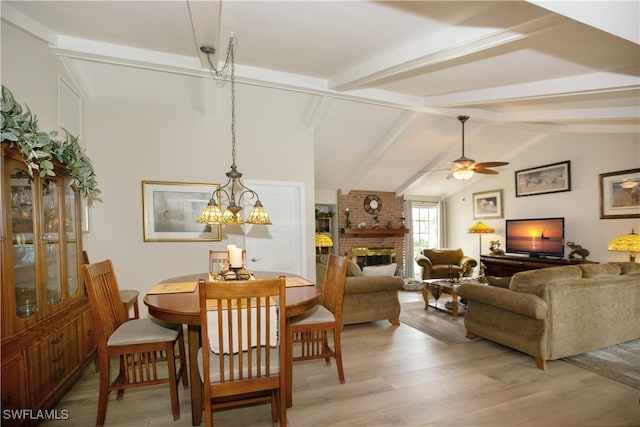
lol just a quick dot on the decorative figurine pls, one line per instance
(577, 250)
(347, 223)
(495, 248)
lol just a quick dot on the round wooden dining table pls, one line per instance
(184, 308)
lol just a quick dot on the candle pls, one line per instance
(235, 257)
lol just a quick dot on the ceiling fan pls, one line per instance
(463, 167)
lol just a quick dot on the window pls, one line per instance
(425, 228)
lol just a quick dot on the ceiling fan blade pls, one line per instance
(491, 164)
(450, 175)
(486, 171)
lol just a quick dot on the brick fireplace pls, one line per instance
(372, 245)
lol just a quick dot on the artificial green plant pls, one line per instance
(38, 148)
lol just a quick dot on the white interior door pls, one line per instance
(277, 247)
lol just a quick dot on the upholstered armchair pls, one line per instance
(435, 263)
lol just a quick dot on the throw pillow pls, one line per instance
(353, 269)
(380, 270)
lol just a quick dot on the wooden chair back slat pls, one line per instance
(243, 333)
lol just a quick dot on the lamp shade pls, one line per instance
(323, 241)
(626, 243)
(480, 227)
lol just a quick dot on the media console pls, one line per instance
(508, 265)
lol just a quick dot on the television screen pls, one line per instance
(535, 237)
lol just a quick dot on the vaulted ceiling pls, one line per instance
(385, 81)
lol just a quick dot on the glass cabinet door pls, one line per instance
(51, 239)
(23, 237)
(71, 226)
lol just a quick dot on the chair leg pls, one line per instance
(173, 380)
(103, 391)
(123, 374)
(282, 406)
(325, 347)
(274, 407)
(337, 343)
(183, 360)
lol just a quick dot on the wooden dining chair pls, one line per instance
(242, 358)
(137, 342)
(309, 330)
(129, 296)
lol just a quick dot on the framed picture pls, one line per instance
(553, 178)
(487, 205)
(620, 194)
(170, 211)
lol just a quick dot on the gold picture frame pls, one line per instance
(487, 205)
(620, 194)
(170, 211)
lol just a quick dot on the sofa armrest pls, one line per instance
(423, 261)
(469, 261)
(528, 305)
(368, 284)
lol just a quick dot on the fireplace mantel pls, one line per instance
(373, 232)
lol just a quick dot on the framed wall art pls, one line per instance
(553, 178)
(170, 211)
(620, 194)
(487, 205)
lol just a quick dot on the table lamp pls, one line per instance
(323, 241)
(480, 228)
(626, 243)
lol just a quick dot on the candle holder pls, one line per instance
(347, 223)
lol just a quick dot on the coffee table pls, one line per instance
(446, 287)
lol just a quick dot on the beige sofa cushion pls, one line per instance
(443, 256)
(599, 270)
(531, 280)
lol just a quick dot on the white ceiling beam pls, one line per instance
(23, 21)
(566, 86)
(436, 49)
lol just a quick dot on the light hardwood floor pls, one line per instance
(397, 376)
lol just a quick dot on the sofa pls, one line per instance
(557, 312)
(435, 263)
(367, 298)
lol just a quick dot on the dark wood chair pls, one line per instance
(129, 296)
(243, 358)
(309, 330)
(139, 343)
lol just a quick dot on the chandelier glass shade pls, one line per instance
(234, 193)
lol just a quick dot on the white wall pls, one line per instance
(135, 130)
(590, 155)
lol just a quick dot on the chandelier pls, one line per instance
(234, 192)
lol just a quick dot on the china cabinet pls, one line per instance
(46, 323)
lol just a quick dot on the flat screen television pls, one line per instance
(536, 237)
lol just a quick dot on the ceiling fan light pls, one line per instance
(463, 174)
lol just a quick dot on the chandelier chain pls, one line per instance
(229, 65)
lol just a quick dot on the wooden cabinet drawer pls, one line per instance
(52, 359)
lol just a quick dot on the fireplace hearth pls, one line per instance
(373, 256)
